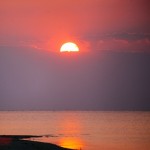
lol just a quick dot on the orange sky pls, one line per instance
(43, 23)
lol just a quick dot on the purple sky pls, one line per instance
(111, 71)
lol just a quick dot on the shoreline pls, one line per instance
(19, 142)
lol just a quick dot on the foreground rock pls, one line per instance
(8, 143)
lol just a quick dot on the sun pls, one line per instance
(69, 47)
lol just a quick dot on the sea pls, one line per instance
(82, 130)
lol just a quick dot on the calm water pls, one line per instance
(88, 130)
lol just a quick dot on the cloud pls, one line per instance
(124, 45)
(35, 44)
(121, 42)
(118, 42)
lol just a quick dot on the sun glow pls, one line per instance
(69, 47)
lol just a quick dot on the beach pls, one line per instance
(19, 142)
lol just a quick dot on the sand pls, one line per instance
(18, 143)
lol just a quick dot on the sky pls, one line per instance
(111, 71)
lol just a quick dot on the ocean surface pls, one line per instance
(86, 130)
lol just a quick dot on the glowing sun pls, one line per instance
(69, 47)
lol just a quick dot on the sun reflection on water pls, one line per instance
(72, 128)
(73, 143)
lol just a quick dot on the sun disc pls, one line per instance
(69, 47)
